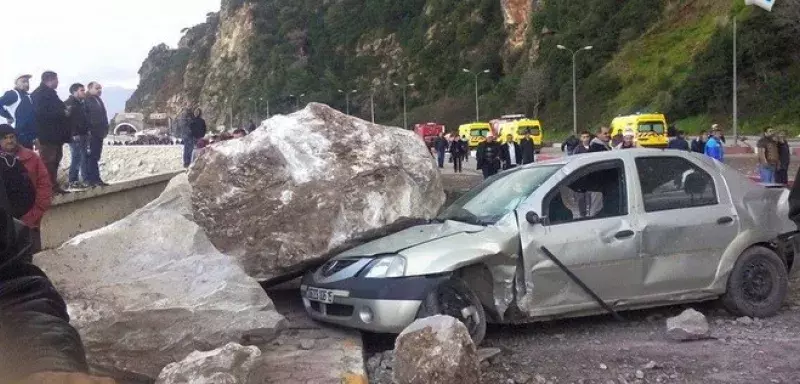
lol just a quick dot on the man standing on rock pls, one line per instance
(98, 123)
(16, 106)
(488, 156)
(50, 120)
(38, 177)
(78, 122)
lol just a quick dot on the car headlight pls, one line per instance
(391, 266)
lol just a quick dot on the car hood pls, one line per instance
(411, 237)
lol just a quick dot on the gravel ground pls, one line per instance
(601, 350)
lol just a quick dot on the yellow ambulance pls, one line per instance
(475, 132)
(650, 129)
(518, 128)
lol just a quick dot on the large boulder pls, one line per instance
(151, 288)
(306, 185)
(230, 364)
(435, 349)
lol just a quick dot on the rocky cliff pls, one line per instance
(255, 57)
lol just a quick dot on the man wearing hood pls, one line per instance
(600, 142)
(16, 106)
(50, 120)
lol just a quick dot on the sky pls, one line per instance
(90, 40)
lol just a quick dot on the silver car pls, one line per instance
(576, 236)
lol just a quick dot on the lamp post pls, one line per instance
(297, 100)
(372, 104)
(477, 106)
(574, 85)
(405, 113)
(347, 99)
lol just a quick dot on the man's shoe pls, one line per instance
(76, 185)
(103, 184)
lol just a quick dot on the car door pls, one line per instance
(687, 221)
(601, 247)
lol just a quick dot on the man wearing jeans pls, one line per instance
(78, 123)
(768, 156)
(98, 130)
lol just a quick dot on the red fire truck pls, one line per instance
(429, 131)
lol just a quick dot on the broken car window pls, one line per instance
(498, 195)
(598, 194)
(674, 183)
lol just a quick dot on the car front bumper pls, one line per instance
(375, 305)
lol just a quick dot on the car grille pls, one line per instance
(332, 267)
(339, 310)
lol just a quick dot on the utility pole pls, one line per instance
(347, 99)
(735, 88)
(574, 85)
(372, 104)
(477, 105)
(405, 110)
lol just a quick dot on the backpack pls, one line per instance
(18, 185)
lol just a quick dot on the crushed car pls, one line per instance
(575, 236)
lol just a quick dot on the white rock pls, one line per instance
(689, 325)
(305, 185)
(230, 364)
(150, 289)
(436, 349)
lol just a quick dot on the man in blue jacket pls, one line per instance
(714, 148)
(16, 107)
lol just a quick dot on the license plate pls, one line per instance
(321, 295)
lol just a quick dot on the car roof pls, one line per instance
(586, 158)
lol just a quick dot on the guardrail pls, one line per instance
(80, 212)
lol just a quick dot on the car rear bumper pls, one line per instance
(375, 305)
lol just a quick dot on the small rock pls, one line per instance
(539, 379)
(521, 378)
(488, 353)
(776, 381)
(715, 370)
(307, 344)
(230, 364)
(689, 325)
(610, 381)
(639, 374)
(744, 320)
(650, 365)
(603, 366)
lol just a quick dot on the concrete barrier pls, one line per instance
(79, 212)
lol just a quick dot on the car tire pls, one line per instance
(448, 297)
(758, 284)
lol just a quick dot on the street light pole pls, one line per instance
(405, 113)
(574, 85)
(372, 105)
(347, 99)
(477, 105)
(735, 88)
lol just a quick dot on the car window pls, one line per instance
(590, 194)
(651, 126)
(498, 195)
(674, 183)
(532, 130)
(479, 132)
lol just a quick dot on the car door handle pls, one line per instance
(725, 220)
(624, 234)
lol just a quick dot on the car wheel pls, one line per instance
(757, 285)
(454, 298)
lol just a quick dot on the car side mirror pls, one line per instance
(533, 218)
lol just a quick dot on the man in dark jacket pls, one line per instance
(17, 107)
(528, 148)
(78, 123)
(782, 175)
(194, 129)
(583, 146)
(679, 142)
(600, 143)
(440, 145)
(37, 343)
(488, 156)
(50, 120)
(510, 153)
(699, 144)
(569, 145)
(457, 149)
(98, 130)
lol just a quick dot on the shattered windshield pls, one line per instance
(498, 195)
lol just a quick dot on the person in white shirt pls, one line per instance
(510, 153)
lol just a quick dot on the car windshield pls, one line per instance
(479, 132)
(498, 195)
(651, 126)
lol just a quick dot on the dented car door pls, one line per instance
(688, 220)
(596, 239)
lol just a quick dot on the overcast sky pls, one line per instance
(85, 40)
